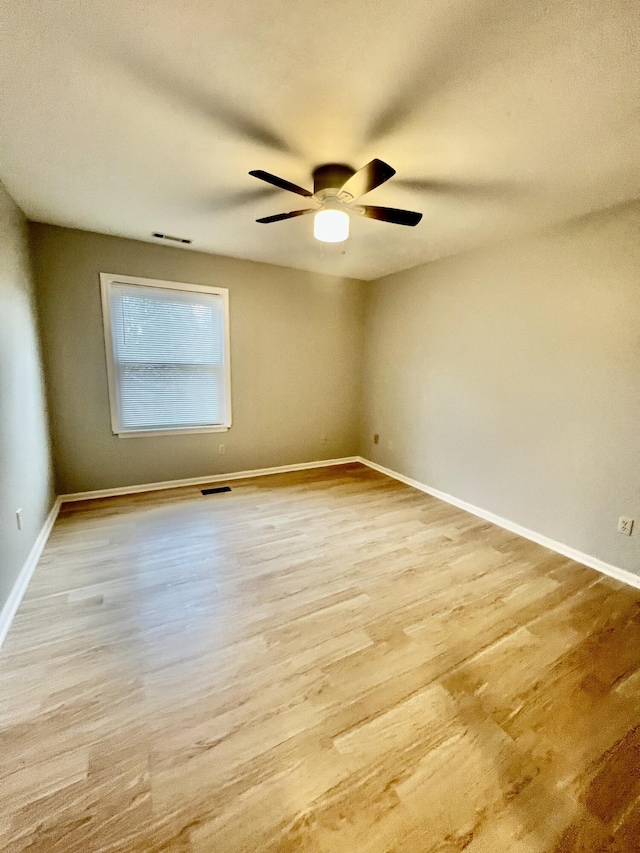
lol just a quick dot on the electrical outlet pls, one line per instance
(376, 438)
(323, 439)
(19, 518)
(625, 525)
(221, 449)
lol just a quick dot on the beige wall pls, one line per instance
(296, 346)
(25, 466)
(510, 378)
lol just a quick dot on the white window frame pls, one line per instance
(108, 279)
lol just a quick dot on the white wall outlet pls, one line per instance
(625, 525)
(323, 439)
(376, 438)
(221, 449)
(19, 518)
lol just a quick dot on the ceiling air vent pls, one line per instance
(169, 237)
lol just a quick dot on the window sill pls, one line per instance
(146, 433)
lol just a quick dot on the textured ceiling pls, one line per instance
(133, 116)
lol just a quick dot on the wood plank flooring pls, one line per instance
(320, 661)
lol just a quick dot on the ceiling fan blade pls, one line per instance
(280, 182)
(390, 214)
(368, 178)
(279, 216)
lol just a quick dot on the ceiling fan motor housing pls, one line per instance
(331, 176)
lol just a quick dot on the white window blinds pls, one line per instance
(169, 360)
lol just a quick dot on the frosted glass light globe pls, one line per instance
(331, 226)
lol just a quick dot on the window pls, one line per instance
(167, 350)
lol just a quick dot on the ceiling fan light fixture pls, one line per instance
(331, 226)
(335, 188)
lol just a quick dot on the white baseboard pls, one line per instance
(202, 481)
(559, 547)
(22, 581)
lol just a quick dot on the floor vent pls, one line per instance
(216, 491)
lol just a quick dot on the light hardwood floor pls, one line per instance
(322, 661)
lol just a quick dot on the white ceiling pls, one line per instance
(133, 116)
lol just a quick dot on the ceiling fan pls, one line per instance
(335, 189)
